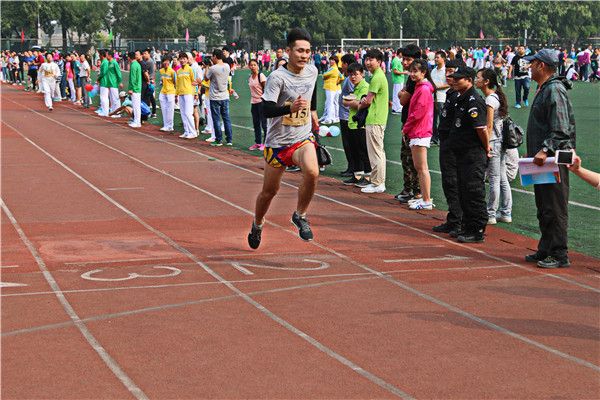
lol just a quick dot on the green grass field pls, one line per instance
(584, 222)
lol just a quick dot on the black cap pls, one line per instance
(464, 72)
(455, 63)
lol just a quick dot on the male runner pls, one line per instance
(290, 105)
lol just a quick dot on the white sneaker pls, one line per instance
(163, 129)
(373, 189)
(183, 135)
(192, 136)
(205, 132)
(327, 122)
(415, 200)
(135, 125)
(506, 220)
(115, 116)
(492, 221)
(210, 140)
(421, 205)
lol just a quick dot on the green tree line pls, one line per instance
(545, 21)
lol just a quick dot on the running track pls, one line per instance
(126, 274)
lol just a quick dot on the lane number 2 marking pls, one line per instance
(242, 266)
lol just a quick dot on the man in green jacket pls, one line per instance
(113, 82)
(103, 81)
(135, 89)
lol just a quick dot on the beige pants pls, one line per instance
(376, 153)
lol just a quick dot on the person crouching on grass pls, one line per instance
(127, 106)
(419, 129)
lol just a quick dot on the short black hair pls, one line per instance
(131, 55)
(441, 53)
(182, 54)
(412, 51)
(218, 53)
(355, 67)
(226, 48)
(166, 58)
(297, 34)
(147, 51)
(374, 53)
(399, 51)
(333, 58)
(348, 59)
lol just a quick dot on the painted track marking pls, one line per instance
(134, 275)
(393, 281)
(92, 341)
(315, 343)
(447, 257)
(11, 284)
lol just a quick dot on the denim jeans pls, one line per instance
(220, 109)
(523, 83)
(500, 195)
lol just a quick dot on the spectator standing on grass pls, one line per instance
(48, 74)
(594, 65)
(343, 113)
(114, 81)
(499, 203)
(398, 78)
(411, 188)
(70, 73)
(519, 70)
(256, 83)
(218, 74)
(438, 75)
(448, 160)
(551, 127)
(185, 86)
(84, 79)
(419, 129)
(377, 102)
(468, 139)
(148, 75)
(103, 82)
(167, 94)
(135, 89)
(331, 84)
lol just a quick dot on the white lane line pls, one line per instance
(93, 342)
(162, 307)
(11, 284)
(120, 261)
(448, 257)
(8, 266)
(315, 343)
(393, 281)
(124, 188)
(259, 280)
(328, 198)
(253, 254)
(573, 203)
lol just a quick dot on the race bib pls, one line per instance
(298, 118)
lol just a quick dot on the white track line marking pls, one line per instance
(284, 323)
(108, 360)
(283, 279)
(119, 261)
(124, 188)
(11, 284)
(283, 182)
(315, 343)
(447, 257)
(9, 266)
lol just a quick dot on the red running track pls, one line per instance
(126, 274)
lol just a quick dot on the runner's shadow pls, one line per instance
(529, 327)
(564, 296)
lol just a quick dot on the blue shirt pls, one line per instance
(30, 59)
(347, 88)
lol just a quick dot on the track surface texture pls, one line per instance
(126, 274)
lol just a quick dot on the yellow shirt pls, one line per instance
(167, 80)
(185, 77)
(332, 79)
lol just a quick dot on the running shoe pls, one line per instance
(261, 147)
(254, 147)
(476, 237)
(293, 168)
(351, 182)
(228, 144)
(254, 236)
(553, 262)
(362, 183)
(373, 189)
(443, 228)
(303, 226)
(209, 140)
(492, 221)
(505, 219)
(216, 144)
(517, 105)
(421, 205)
(526, 103)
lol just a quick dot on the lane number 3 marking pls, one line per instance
(134, 275)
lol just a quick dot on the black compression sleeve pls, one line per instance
(313, 101)
(272, 110)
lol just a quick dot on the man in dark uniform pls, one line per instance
(551, 127)
(148, 74)
(468, 140)
(448, 160)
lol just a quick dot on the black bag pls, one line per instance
(361, 116)
(512, 134)
(323, 155)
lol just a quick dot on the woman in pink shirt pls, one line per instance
(256, 82)
(70, 76)
(419, 129)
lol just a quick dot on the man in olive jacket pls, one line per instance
(551, 127)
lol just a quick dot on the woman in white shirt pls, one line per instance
(500, 196)
(48, 74)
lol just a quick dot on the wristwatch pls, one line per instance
(545, 150)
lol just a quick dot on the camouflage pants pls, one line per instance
(411, 179)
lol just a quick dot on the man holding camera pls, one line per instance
(551, 127)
